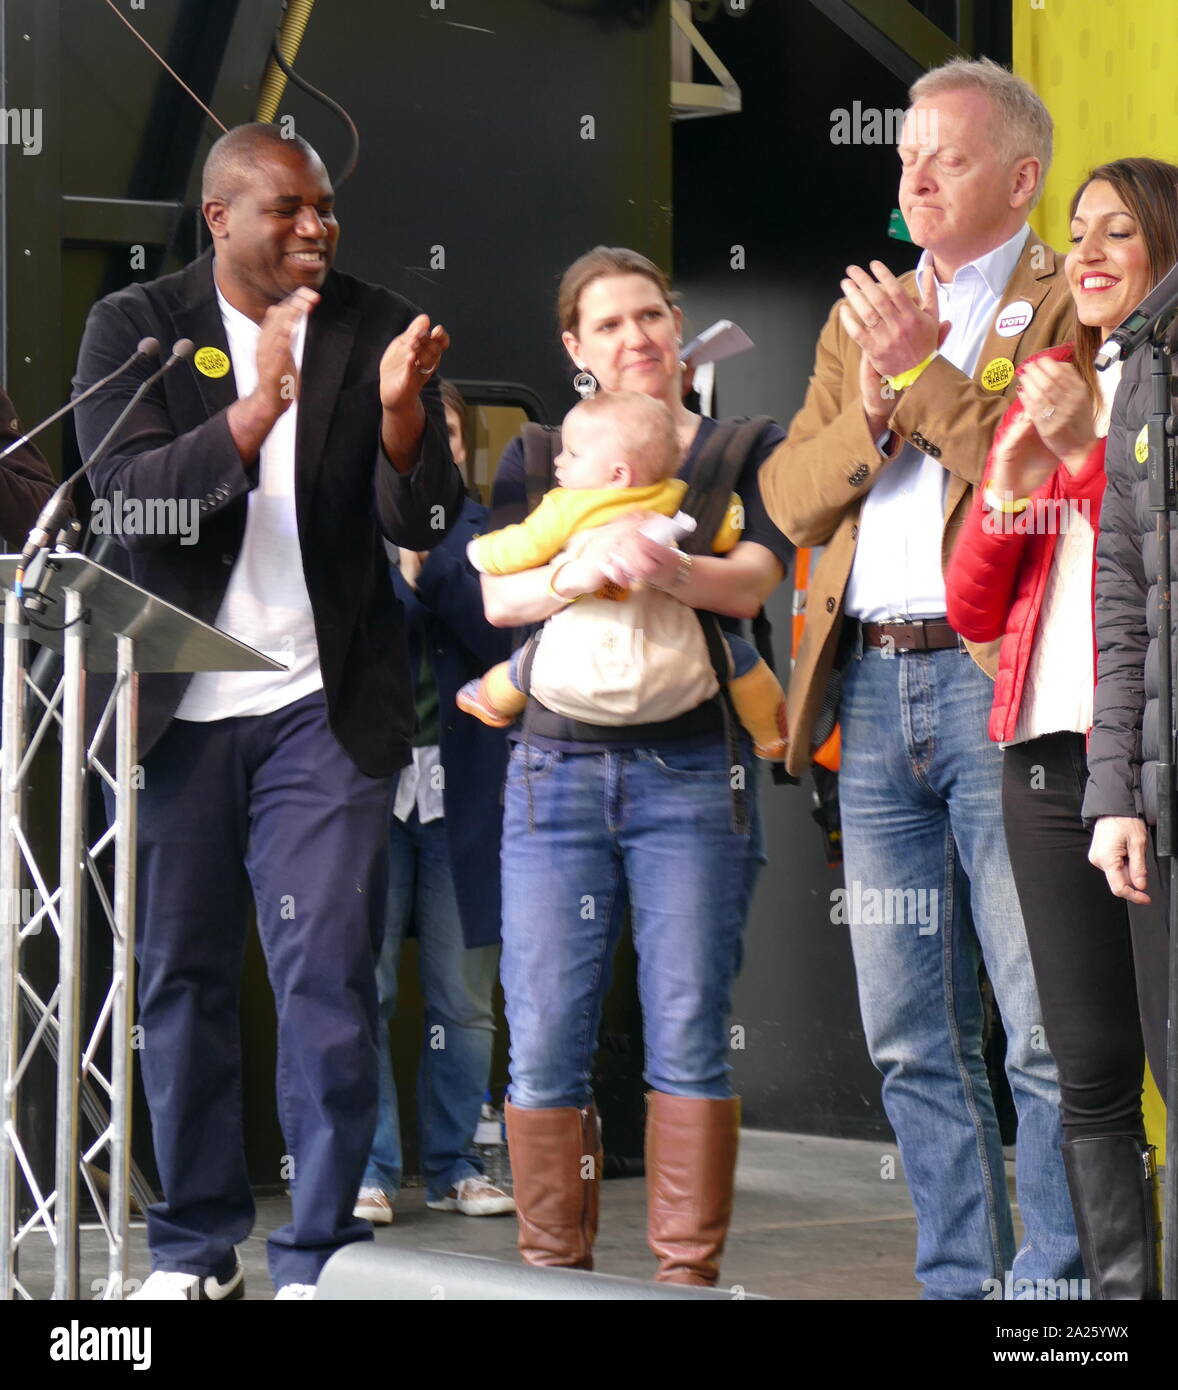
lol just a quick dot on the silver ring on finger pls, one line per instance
(1048, 413)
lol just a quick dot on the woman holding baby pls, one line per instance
(637, 813)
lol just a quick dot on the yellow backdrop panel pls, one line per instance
(1106, 69)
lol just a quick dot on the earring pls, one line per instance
(584, 383)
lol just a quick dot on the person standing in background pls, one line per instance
(444, 876)
(26, 483)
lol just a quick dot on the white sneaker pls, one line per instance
(374, 1204)
(475, 1196)
(289, 1291)
(172, 1286)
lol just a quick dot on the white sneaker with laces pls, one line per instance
(374, 1204)
(475, 1196)
(289, 1291)
(169, 1285)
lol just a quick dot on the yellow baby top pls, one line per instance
(564, 511)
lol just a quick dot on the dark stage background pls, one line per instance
(768, 186)
(476, 186)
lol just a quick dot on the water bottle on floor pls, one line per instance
(490, 1141)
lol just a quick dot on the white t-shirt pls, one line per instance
(266, 604)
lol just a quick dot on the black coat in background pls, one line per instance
(445, 615)
(1123, 747)
(26, 483)
(177, 444)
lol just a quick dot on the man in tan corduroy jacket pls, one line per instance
(911, 378)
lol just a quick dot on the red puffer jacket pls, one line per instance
(998, 572)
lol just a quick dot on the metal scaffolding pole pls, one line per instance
(109, 624)
(11, 817)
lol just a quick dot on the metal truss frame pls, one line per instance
(29, 1021)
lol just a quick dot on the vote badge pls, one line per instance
(998, 374)
(1013, 319)
(211, 361)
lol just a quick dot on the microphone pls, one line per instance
(148, 348)
(182, 350)
(1147, 322)
(49, 522)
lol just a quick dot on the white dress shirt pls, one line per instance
(419, 787)
(897, 567)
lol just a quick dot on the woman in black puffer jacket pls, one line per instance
(1121, 797)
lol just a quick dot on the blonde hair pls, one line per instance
(643, 429)
(1020, 124)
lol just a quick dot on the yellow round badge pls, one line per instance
(211, 361)
(1141, 445)
(998, 374)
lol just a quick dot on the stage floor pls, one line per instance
(815, 1219)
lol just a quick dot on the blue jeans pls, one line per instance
(459, 1022)
(650, 827)
(920, 789)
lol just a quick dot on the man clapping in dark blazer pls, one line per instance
(308, 423)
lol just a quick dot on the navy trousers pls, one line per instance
(271, 804)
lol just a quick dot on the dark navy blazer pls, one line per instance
(446, 611)
(177, 444)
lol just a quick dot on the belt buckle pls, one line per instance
(907, 634)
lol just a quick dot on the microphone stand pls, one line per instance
(1163, 467)
(32, 599)
(148, 347)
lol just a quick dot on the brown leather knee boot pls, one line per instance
(556, 1174)
(690, 1169)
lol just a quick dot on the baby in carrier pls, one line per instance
(619, 656)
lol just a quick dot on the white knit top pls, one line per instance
(1057, 695)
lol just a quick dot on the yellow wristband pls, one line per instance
(1009, 504)
(903, 379)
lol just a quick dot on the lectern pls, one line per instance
(99, 622)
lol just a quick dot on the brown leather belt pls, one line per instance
(919, 635)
